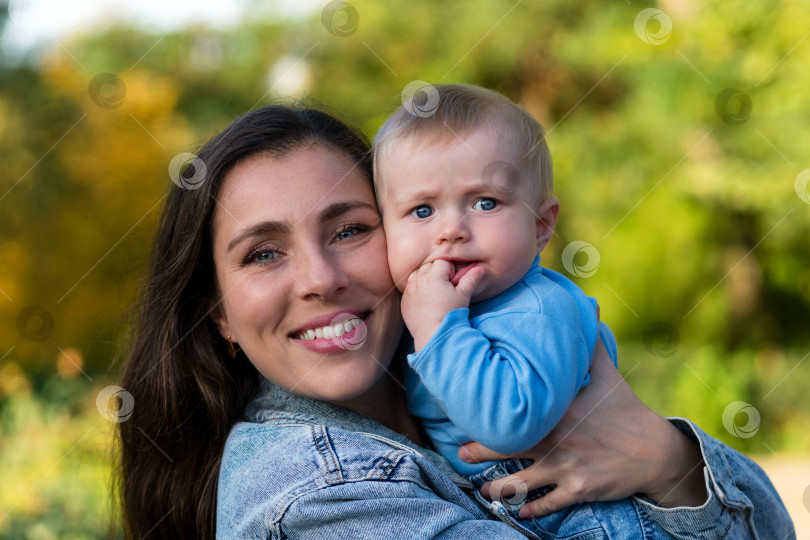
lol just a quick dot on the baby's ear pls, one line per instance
(546, 221)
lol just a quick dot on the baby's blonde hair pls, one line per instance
(449, 111)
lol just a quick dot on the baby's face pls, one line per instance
(459, 201)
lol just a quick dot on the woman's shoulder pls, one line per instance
(323, 453)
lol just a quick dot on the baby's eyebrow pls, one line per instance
(419, 195)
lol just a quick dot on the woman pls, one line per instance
(281, 241)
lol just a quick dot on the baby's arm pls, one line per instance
(506, 383)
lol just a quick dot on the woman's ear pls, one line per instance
(546, 221)
(217, 315)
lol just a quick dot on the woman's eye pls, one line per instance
(262, 255)
(265, 256)
(350, 231)
(422, 211)
(486, 204)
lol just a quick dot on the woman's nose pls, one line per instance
(319, 274)
(453, 229)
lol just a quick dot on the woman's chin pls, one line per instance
(352, 384)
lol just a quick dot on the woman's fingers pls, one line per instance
(515, 487)
(556, 499)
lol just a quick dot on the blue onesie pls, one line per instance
(504, 371)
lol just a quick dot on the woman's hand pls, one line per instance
(608, 446)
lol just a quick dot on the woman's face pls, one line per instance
(301, 263)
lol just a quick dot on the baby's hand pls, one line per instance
(430, 295)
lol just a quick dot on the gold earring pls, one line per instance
(231, 349)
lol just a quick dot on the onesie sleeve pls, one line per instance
(508, 382)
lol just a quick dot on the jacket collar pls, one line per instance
(275, 405)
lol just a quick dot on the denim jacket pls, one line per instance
(296, 467)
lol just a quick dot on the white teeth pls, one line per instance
(330, 332)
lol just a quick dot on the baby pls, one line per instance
(501, 345)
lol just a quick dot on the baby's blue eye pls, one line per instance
(485, 204)
(422, 211)
(343, 235)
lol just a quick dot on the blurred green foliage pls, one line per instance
(701, 231)
(55, 460)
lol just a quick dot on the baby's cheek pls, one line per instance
(403, 258)
(399, 272)
(391, 243)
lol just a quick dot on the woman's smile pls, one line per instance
(334, 333)
(332, 325)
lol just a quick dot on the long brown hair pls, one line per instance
(186, 392)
